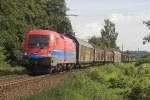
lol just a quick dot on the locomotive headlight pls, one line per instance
(52, 37)
(25, 53)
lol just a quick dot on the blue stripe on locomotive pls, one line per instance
(62, 54)
(37, 56)
(57, 54)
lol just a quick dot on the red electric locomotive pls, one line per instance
(44, 47)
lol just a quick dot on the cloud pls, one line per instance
(131, 29)
(93, 28)
(134, 16)
(87, 30)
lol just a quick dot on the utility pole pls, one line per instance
(73, 15)
(138, 51)
(122, 47)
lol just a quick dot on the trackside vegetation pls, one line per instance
(143, 60)
(6, 68)
(109, 82)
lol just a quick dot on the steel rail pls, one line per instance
(11, 77)
(17, 82)
(29, 79)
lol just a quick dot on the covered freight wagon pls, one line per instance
(85, 52)
(117, 56)
(109, 56)
(99, 55)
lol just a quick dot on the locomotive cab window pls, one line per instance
(38, 41)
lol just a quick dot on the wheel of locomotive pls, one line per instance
(69, 67)
(73, 65)
(52, 69)
(60, 67)
(56, 69)
(64, 67)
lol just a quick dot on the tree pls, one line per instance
(108, 36)
(17, 17)
(146, 38)
(2, 56)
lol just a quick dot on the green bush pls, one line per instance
(7, 69)
(2, 56)
(109, 82)
(139, 93)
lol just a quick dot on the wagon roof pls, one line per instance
(116, 52)
(82, 42)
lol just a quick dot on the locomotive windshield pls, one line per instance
(38, 41)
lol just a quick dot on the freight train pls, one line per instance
(50, 51)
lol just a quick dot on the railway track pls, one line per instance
(20, 85)
(7, 78)
(12, 81)
(32, 84)
(9, 82)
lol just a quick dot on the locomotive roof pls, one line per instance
(41, 32)
(116, 51)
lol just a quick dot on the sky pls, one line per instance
(128, 16)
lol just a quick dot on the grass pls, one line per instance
(7, 69)
(109, 82)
